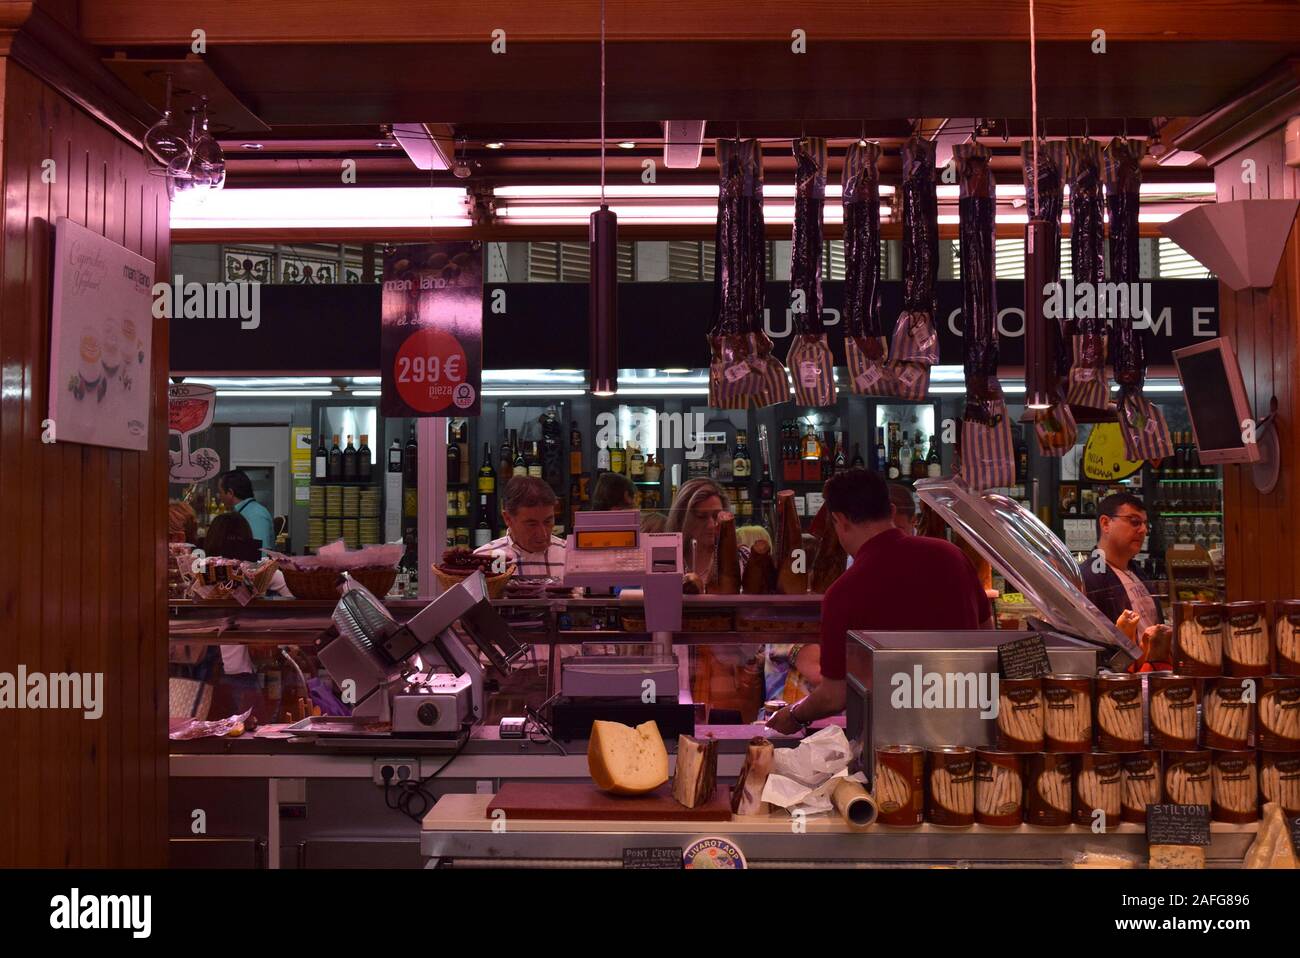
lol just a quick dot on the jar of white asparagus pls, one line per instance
(1245, 641)
(1228, 711)
(1279, 713)
(999, 788)
(1140, 785)
(1119, 712)
(1020, 715)
(1235, 787)
(1286, 636)
(899, 784)
(1279, 780)
(1198, 638)
(1173, 701)
(950, 786)
(1187, 777)
(1049, 778)
(1097, 788)
(1067, 715)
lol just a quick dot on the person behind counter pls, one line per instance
(528, 508)
(235, 490)
(904, 508)
(182, 523)
(897, 583)
(694, 513)
(1114, 586)
(613, 491)
(230, 537)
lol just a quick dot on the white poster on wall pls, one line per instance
(101, 336)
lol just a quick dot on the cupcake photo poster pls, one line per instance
(102, 330)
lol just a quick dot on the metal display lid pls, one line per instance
(1016, 543)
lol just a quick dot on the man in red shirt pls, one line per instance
(897, 583)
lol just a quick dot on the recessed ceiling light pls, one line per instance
(494, 145)
(627, 145)
(387, 145)
(250, 146)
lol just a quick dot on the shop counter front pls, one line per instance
(459, 831)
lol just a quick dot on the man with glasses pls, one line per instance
(1115, 588)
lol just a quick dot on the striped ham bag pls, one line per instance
(811, 365)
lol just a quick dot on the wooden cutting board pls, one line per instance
(569, 802)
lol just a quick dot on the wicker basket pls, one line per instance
(496, 584)
(325, 583)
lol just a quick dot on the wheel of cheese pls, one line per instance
(625, 760)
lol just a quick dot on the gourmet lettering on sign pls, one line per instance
(431, 341)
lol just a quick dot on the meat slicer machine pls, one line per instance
(608, 550)
(422, 677)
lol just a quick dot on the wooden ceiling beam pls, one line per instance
(167, 22)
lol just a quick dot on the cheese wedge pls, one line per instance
(1272, 845)
(626, 760)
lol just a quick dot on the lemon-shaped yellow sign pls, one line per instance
(1104, 457)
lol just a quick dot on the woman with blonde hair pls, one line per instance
(694, 513)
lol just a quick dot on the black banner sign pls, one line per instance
(332, 329)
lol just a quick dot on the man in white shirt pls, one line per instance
(528, 508)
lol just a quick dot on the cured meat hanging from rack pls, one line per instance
(742, 369)
(809, 360)
(915, 345)
(1055, 427)
(987, 451)
(1087, 381)
(1143, 426)
(865, 346)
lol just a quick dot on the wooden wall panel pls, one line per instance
(1264, 326)
(82, 566)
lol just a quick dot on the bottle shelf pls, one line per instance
(1181, 479)
(1171, 515)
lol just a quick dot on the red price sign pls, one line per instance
(430, 371)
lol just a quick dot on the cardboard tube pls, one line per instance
(855, 804)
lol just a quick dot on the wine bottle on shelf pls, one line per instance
(839, 464)
(395, 456)
(453, 458)
(918, 458)
(904, 458)
(740, 467)
(534, 461)
(635, 462)
(811, 447)
(521, 464)
(617, 458)
(933, 467)
(882, 459)
(766, 488)
(334, 468)
(321, 464)
(894, 469)
(365, 467)
(487, 478)
(575, 449)
(483, 531)
(410, 466)
(349, 461)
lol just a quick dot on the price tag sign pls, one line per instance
(431, 343)
(1178, 824)
(1023, 658)
(1294, 822)
(655, 857)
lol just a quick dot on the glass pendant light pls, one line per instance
(166, 139)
